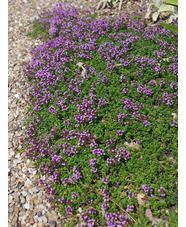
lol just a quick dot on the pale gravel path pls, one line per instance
(27, 205)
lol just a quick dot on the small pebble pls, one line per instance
(39, 214)
(52, 223)
(10, 210)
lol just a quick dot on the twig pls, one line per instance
(70, 216)
(86, 193)
(110, 200)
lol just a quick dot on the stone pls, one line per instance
(59, 222)
(28, 183)
(10, 210)
(16, 210)
(53, 217)
(39, 214)
(24, 169)
(10, 119)
(24, 193)
(27, 206)
(22, 200)
(32, 221)
(20, 185)
(10, 145)
(14, 195)
(13, 183)
(52, 223)
(41, 207)
(14, 221)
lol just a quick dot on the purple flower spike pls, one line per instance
(145, 188)
(68, 210)
(146, 123)
(174, 124)
(93, 162)
(105, 180)
(94, 170)
(130, 195)
(162, 191)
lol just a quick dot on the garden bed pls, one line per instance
(103, 117)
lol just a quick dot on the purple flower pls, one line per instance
(173, 85)
(67, 122)
(90, 223)
(58, 92)
(74, 195)
(122, 77)
(110, 161)
(175, 124)
(105, 180)
(68, 210)
(119, 132)
(94, 170)
(162, 191)
(138, 73)
(139, 141)
(93, 162)
(121, 115)
(52, 110)
(146, 123)
(161, 83)
(109, 142)
(145, 188)
(133, 83)
(61, 200)
(130, 208)
(104, 207)
(116, 186)
(151, 82)
(125, 90)
(98, 151)
(84, 216)
(130, 195)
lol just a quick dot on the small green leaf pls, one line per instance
(166, 8)
(155, 16)
(172, 2)
(170, 27)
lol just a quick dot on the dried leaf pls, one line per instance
(80, 64)
(174, 115)
(148, 214)
(140, 199)
(132, 144)
(83, 72)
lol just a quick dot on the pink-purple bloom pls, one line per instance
(105, 180)
(174, 123)
(162, 191)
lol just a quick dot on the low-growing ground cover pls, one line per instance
(103, 117)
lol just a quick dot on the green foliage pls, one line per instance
(170, 27)
(171, 2)
(149, 164)
(174, 219)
